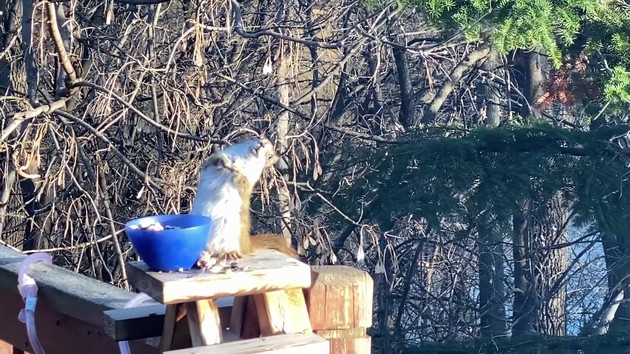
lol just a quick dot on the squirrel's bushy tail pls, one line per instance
(274, 242)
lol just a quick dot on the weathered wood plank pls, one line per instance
(204, 322)
(347, 341)
(176, 330)
(134, 323)
(268, 270)
(250, 327)
(340, 307)
(148, 320)
(238, 314)
(57, 332)
(70, 293)
(169, 326)
(282, 311)
(341, 297)
(279, 344)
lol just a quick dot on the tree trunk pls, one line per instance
(384, 309)
(548, 228)
(616, 251)
(525, 297)
(406, 115)
(540, 298)
(491, 253)
(282, 129)
(491, 277)
(373, 103)
(535, 68)
(492, 94)
(542, 304)
(32, 204)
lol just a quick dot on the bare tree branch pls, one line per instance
(141, 2)
(240, 29)
(32, 74)
(55, 33)
(21, 117)
(112, 229)
(140, 114)
(143, 176)
(453, 79)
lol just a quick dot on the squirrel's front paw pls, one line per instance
(209, 260)
(206, 260)
(230, 256)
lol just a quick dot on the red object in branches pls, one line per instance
(568, 84)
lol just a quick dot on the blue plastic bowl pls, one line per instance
(170, 249)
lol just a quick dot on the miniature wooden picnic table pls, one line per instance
(264, 275)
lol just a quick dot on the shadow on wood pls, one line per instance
(69, 313)
(58, 333)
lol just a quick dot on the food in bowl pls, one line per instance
(169, 243)
(153, 226)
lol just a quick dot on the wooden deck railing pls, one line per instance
(78, 314)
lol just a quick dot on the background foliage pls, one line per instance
(471, 155)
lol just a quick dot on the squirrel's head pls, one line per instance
(249, 157)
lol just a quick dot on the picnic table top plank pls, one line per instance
(264, 271)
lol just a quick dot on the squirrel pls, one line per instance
(226, 182)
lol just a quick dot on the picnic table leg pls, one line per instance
(173, 328)
(204, 322)
(282, 311)
(244, 320)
